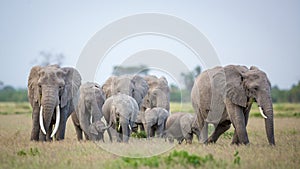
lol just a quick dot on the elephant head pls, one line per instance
(158, 94)
(134, 86)
(91, 97)
(249, 85)
(50, 89)
(96, 130)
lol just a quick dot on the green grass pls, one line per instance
(280, 109)
(7, 108)
(17, 151)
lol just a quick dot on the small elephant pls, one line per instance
(52, 93)
(182, 126)
(154, 120)
(224, 95)
(96, 130)
(89, 110)
(120, 111)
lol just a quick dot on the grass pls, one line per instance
(280, 109)
(18, 152)
(15, 108)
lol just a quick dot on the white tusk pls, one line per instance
(262, 112)
(57, 121)
(91, 119)
(119, 127)
(41, 120)
(129, 126)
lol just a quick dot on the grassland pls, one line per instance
(18, 152)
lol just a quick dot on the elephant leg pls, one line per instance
(78, 132)
(220, 129)
(35, 125)
(160, 131)
(42, 136)
(125, 132)
(109, 131)
(235, 139)
(238, 120)
(60, 135)
(76, 126)
(87, 137)
(204, 133)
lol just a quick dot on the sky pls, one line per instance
(261, 33)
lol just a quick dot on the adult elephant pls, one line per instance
(154, 121)
(52, 93)
(88, 114)
(224, 95)
(158, 94)
(120, 112)
(134, 86)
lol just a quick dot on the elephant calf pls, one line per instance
(120, 111)
(154, 120)
(87, 117)
(182, 126)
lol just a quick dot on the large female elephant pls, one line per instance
(52, 93)
(182, 126)
(158, 94)
(88, 114)
(224, 95)
(154, 121)
(134, 86)
(120, 112)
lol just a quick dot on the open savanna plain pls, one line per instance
(17, 151)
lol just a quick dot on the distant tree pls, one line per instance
(10, 94)
(294, 93)
(188, 77)
(120, 70)
(46, 58)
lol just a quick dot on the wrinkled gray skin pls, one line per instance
(120, 112)
(134, 86)
(224, 95)
(96, 130)
(154, 121)
(50, 86)
(158, 94)
(89, 112)
(182, 126)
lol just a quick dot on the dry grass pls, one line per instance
(18, 152)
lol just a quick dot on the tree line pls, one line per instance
(11, 94)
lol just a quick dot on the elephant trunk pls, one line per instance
(49, 105)
(267, 110)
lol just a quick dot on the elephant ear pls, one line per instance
(72, 84)
(140, 89)
(107, 87)
(185, 123)
(235, 90)
(33, 88)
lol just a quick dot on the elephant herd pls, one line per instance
(131, 103)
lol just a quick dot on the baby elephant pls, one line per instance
(88, 113)
(120, 111)
(182, 126)
(154, 120)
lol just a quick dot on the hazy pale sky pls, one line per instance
(261, 33)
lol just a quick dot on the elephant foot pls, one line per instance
(238, 143)
(210, 141)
